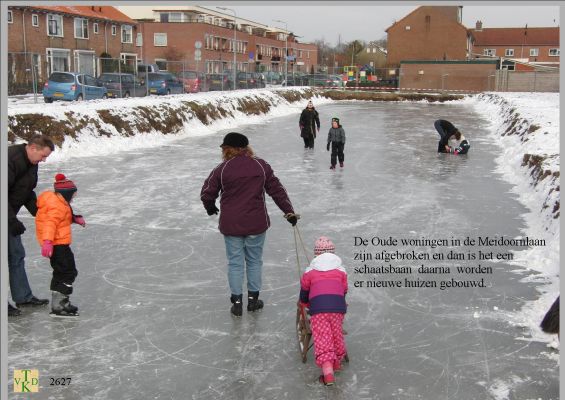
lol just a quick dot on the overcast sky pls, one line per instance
(368, 21)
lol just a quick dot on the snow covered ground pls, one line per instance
(152, 288)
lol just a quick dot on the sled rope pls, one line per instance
(298, 236)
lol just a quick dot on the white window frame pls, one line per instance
(82, 21)
(10, 17)
(76, 56)
(489, 52)
(124, 28)
(114, 30)
(139, 39)
(534, 52)
(555, 51)
(161, 35)
(34, 20)
(61, 20)
(509, 53)
(49, 58)
(95, 28)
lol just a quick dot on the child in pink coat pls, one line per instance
(323, 287)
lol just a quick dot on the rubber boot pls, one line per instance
(237, 308)
(253, 302)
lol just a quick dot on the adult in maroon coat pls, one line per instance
(242, 180)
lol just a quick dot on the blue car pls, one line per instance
(164, 83)
(73, 86)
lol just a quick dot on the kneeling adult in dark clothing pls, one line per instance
(448, 132)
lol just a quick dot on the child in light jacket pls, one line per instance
(322, 288)
(53, 230)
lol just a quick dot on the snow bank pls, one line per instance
(101, 127)
(526, 125)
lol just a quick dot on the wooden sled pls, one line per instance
(304, 333)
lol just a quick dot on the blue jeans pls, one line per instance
(19, 285)
(244, 253)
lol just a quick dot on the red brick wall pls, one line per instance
(445, 76)
(182, 36)
(437, 38)
(522, 52)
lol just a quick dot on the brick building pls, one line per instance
(538, 46)
(66, 38)
(428, 33)
(168, 35)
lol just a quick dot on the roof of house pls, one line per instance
(418, 9)
(107, 13)
(516, 36)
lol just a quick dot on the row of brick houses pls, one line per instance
(74, 38)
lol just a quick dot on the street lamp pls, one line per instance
(285, 51)
(234, 40)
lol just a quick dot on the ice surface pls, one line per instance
(152, 289)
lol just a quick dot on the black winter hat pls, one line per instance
(234, 139)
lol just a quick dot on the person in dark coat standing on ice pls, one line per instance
(336, 137)
(242, 180)
(23, 161)
(309, 124)
(451, 139)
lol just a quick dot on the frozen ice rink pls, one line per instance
(152, 288)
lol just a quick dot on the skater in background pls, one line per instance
(322, 289)
(336, 138)
(242, 180)
(53, 229)
(451, 139)
(309, 124)
(550, 322)
(23, 161)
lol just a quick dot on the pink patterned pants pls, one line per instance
(327, 331)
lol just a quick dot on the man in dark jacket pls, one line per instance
(242, 180)
(309, 124)
(23, 160)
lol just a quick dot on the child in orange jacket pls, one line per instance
(53, 230)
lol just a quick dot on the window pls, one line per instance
(34, 20)
(160, 39)
(54, 25)
(127, 34)
(489, 52)
(114, 30)
(534, 52)
(58, 60)
(139, 40)
(554, 52)
(161, 63)
(81, 28)
(509, 52)
(10, 17)
(164, 17)
(95, 28)
(176, 17)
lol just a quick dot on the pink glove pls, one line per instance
(47, 248)
(78, 219)
(455, 152)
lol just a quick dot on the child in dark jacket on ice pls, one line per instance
(336, 137)
(323, 287)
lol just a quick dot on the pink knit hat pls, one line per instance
(323, 245)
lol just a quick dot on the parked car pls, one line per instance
(164, 83)
(273, 78)
(73, 86)
(123, 85)
(220, 82)
(193, 81)
(259, 80)
(321, 80)
(245, 80)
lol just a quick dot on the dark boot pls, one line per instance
(13, 311)
(61, 306)
(253, 302)
(237, 308)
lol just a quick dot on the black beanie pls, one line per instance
(234, 139)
